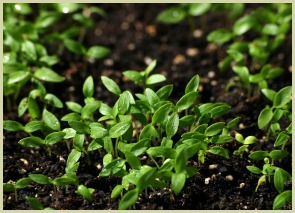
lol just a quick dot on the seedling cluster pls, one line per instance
(144, 138)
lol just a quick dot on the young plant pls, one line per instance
(246, 142)
(36, 204)
(13, 187)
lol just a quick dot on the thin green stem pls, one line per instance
(155, 162)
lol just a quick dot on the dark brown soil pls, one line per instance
(135, 38)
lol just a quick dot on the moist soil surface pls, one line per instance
(135, 38)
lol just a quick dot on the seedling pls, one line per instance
(13, 187)
(36, 204)
(246, 142)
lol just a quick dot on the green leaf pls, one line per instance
(187, 100)
(218, 150)
(250, 140)
(140, 147)
(269, 93)
(154, 79)
(132, 160)
(161, 151)
(187, 121)
(22, 107)
(264, 117)
(148, 131)
(282, 97)
(233, 122)
(258, 155)
(274, 73)
(50, 120)
(147, 175)
(18, 76)
(88, 87)
(282, 199)
(35, 203)
(8, 187)
(73, 158)
(10, 125)
(46, 74)
(98, 132)
(135, 76)
(243, 73)
(172, 125)
(89, 109)
(23, 183)
(78, 142)
(150, 67)
(282, 138)
(111, 85)
(280, 177)
(221, 139)
(113, 167)
(95, 144)
(270, 29)
(33, 108)
(28, 48)
(31, 141)
(177, 182)
(40, 178)
(244, 24)
(98, 52)
(278, 154)
(161, 114)
(181, 160)
(128, 199)
(63, 181)
(53, 100)
(119, 129)
(84, 192)
(219, 36)
(214, 129)
(236, 55)
(54, 137)
(192, 85)
(151, 97)
(117, 191)
(254, 169)
(219, 110)
(123, 103)
(74, 106)
(172, 15)
(198, 9)
(73, 116)
(164, 92)
(74, 46)
(79, 127)
(33, 126)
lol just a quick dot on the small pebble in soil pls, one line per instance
(131, 46)
(211, 74)
(24, 161)
(213, 166)
(241, 126)
(108, 62)
(213, 177)
(211, 47)
(61, 159)
(22, 171)
(229, 178)
(147, 60)
(242, 185)
(213, 83)
(179, 59)
(98, 166)
(151, 30)
(192, 51)
(207, 180)
(198, 33)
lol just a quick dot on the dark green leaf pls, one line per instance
(274, 73)
(148, 132)
(95, 144)
(123, 103)
(73, 116)
(214, 129)
(269, 93)
(233, 122)
(54, 137)
(40, 178)
(113, 167)
(147, 175)
(177, 182)
(192, 85)
(22, 107)
(8, 187)
(128, 199)
(63, 181)
(35, 203)
(73, 158)
(53, 100)
(161, 151)
(219, 110)
(218, 150)
(140, 147)
(187, 121)
(282, 97)
(23, 183)
(89, 109)
(258, 155)
(10, 125)
(264, 117)
(79, 127)
(181, 160)
(33, 108)
(282, 199)
(88, 87)
(161, 114)
(132, 160)
(117, 191)
(31, 141)
(221, 139)
(50, 120)
(151, 97)
(282, 138)
(111, 85)
(164, 92)
(278, 154)
(85, 192)
(98, 52)
(78, 142)
(172, 125)
(280, 177)
(74, 46)
(46, 74)
(98, 132)
(172, 15)
(187, 100)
